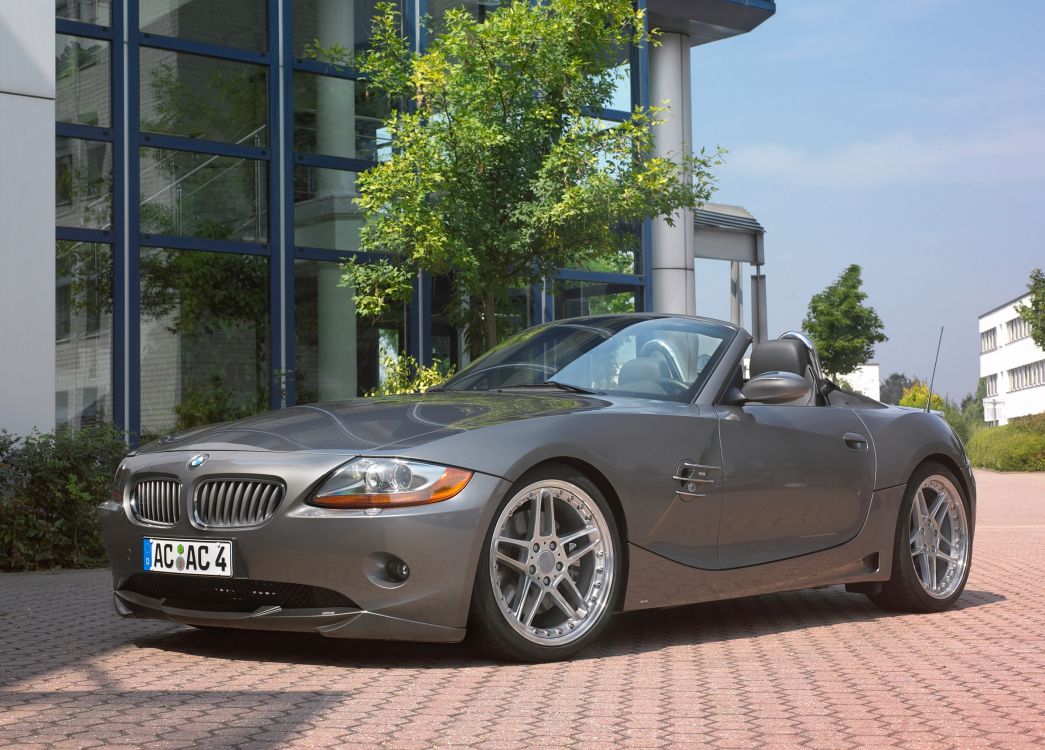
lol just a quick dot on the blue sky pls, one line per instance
(904, 135)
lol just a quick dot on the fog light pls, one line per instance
(398, 570)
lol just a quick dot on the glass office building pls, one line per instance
(205, 176)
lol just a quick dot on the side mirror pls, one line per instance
(776, 388)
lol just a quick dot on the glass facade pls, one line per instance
(83, 332)
(204, 351)
(205, 168)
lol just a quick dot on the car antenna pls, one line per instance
(932, 379)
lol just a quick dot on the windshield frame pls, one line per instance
(606, 327)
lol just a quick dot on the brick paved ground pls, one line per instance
(814, 668)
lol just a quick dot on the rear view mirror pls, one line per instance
(776, 388)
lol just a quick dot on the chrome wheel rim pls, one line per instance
(939, 537)
(551, 562)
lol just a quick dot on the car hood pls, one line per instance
(372, 424)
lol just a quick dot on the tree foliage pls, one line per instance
(917, 394)
(893, 388)
(1034, 313)
(842, 327)
(499, 176)
(403, 374)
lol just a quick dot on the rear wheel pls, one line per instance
(933, 545)
(549, 571)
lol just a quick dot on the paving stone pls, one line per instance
(810, 669)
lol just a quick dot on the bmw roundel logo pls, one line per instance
(197, 461)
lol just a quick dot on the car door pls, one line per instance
(796, 480)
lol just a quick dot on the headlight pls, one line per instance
(389, 483)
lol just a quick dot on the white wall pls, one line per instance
(26, 215)
(1007, 356)
(865, 380)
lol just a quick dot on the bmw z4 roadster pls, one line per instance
(583, 467)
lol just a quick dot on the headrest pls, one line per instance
(782, 355)
(642, 368)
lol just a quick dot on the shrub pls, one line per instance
(404, 375)
(50, 487)
(1017, 446)
(1029, 423)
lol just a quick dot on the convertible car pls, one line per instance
(583, 467)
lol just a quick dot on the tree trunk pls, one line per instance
(489, 319)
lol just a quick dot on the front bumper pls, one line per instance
(343, 551)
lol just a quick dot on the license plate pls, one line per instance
(188, 557)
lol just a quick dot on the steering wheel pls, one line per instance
(673, 387)
(658, 348)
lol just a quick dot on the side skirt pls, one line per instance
(654, 581)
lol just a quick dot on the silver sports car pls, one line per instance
(587, 466)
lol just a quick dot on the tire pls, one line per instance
(534, 576)
(927, 578)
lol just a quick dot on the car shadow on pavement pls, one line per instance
(628, 633)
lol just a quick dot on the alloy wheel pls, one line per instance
(551, 562)
(939, 536)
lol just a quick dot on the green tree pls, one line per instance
(499, 176)
(1034, 313)
(893, 388)
(972, 404)
(842, 327)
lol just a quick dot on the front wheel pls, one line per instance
(549, 571)
(933, 545)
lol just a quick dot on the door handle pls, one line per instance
(855, 441)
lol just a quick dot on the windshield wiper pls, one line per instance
(552, 383)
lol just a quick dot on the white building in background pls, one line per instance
(864, 380)
(1012, 365)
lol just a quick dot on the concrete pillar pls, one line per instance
(759, 315)
(335, 134)
(336, 335)
(673, 289)
(736, 295)
(335, 102)
(27, 251)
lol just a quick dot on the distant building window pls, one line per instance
(990, 384)
(1027, 376)
(988, 340)
(1017, 328)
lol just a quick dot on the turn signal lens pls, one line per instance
(390, 483)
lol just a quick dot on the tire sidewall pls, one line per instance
(486, 614)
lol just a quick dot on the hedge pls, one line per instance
(1017, 446)
(50, 488)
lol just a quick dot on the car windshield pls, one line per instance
(658, 358)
